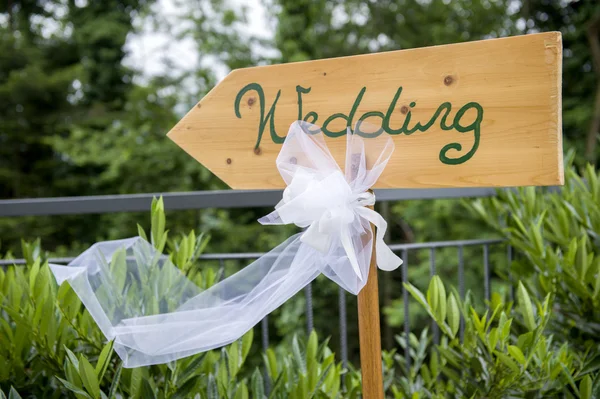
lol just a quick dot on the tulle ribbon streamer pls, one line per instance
(155, 314)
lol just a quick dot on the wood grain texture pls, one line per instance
(516, 81)
(370, 334)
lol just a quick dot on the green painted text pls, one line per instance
(440, 116)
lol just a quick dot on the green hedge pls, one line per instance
(545, 344)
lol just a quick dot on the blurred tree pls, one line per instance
(71, 115)
(38, 65)
(37, 69)
(320, 29)
(579, 22)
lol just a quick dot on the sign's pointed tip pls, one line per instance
(172, 134)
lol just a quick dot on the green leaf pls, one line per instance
(184, 391)
(201, 242)
(135, 382)
(433, 295)
(451, 356)
(279, 382)
(242, 391)
(147, 392)
(418, 295)
(597, 282)
(72, 358)
(247, 343)
(118, 268)
(13, 394)
(234, 358)
(322, 379)
(311, 351)
(506, 324)
(115, 381)
(271, 362)
(525, 340)
(452, 375)
(88, 377)
(222, 374)
(569, 376)
(33, 272)
(478, 323)
(507, 361)
(585, 387)
(493, 339)
(303, 386)
(191, 368)
(516, 353)
(582, 259)
(441, 312)
(104, 360)
(453, 315)
(323, 347)
(592, 366)
(536, 234)
(141, 232)
(258, 385)
(158, 234)
(73, 388)
(525, 307)
(298, 355)
(72, 373)
(211, 389)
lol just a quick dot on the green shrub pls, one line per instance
(50, 347)
(557, 236)
(546, 345)
(543, 345)
(505, 352)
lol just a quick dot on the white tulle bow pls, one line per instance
(333, 205)
(328, 208)
(155, 314)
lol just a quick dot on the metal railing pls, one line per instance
(200, 200)
(237, 199)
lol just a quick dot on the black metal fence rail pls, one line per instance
(199, 200)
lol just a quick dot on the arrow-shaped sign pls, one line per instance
(484, 113)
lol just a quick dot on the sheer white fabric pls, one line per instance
(156, 315)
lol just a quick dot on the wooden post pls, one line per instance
(369, 333)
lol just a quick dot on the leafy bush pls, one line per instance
(543, 345)
(50, 346)
(557, 235)
(547, 344)
(506, 352)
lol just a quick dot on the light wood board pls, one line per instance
(507, 90)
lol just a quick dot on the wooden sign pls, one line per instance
(485, 113)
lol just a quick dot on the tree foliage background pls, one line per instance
(76, 120)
